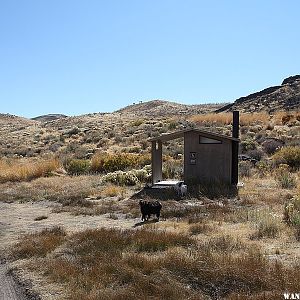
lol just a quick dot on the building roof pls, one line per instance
(180, 133)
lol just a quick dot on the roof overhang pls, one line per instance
(179, 134)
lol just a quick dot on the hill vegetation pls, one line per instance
(71, 186)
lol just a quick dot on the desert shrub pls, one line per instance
(73, 131)
(271, 146)
(268, 226)
(247, 144)
(256, 154)
(112, 191)
(173, 169)
(109, 163)
(83, 152)
(71, 147)
(104, 163)
(288, 155)
(284, 177)
(270, 126)
(121, 178)
(131, 177)
(134, 149)
(263, 167)
(286, 118)
(137, 122)
(172, 125)
(39, 244)
(245, 168)
(143, 175)
(144, 144)
(78, 166)
(292, 214)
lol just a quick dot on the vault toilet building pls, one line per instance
(207, 156)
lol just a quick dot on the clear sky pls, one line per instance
(75, 57)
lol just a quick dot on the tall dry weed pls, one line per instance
(16, 170)
(226, 118)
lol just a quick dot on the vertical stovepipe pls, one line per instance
(235, 148)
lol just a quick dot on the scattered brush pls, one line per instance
(291, 214)
(285, 178)
(104, 162)
(38, 244)
(161, 265)
(200, 228)
(288, 155)
(268, 227)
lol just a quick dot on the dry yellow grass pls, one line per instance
(162, 265)
(64, 189)
(113, 191)
(283, 117)
(226, 118)
(16, 170)
(38, 244)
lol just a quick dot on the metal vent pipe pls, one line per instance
(235, 124)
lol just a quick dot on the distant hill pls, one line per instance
(49, 117)
(282, 97)
(166, 108)
(8, 119)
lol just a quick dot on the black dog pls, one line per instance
(150, 208)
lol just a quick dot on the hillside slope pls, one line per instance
(159, 108)
(283, 97)
(49, 117)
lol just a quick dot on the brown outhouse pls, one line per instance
(207, 156)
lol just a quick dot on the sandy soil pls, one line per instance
(18, 218)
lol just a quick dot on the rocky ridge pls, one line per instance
(282, 97)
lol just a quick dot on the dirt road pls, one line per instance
(9, 288)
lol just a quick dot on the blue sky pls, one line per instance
(75, 57)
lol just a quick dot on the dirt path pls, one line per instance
(18, 218)
(8, 286)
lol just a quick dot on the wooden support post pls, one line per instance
(156, 161)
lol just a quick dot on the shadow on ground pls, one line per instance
(145, 222)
